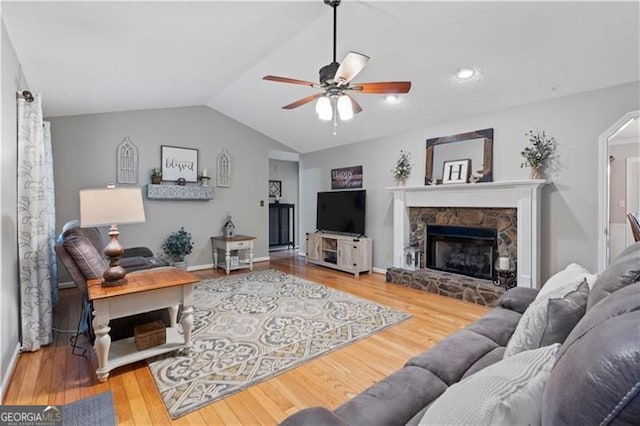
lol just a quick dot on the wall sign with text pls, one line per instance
(346, 178)
(179, 163)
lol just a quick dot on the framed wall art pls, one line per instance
(179, 163)
(456, 171)
(346, 178)
(275, 188)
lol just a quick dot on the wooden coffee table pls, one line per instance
(145, 291)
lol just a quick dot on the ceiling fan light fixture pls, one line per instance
(465, 73)
(323, 108)
(345, 108)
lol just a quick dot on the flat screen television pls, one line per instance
(341, 211)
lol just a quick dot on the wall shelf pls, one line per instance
(178, 192)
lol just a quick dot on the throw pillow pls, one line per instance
(508, 392)
(84, 254)
(549, 319)
(572, 276)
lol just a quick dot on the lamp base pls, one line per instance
(115, 274)
(114, 283)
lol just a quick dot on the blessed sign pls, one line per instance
(179, 163)
(346, 177)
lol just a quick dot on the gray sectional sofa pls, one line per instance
(595, 377)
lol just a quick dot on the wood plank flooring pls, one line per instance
(54, 376)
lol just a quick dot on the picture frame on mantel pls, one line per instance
(179, 163)
(476, 146)
(456, 171)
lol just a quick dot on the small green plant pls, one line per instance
(402, 169)
(177, 245)
(155, 172)
(540, 150)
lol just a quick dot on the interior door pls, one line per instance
(633, 192)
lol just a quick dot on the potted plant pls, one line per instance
(402, 169)
(176, 246)
(538, 153)
(156, 176)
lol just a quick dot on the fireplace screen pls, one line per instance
(462, 250)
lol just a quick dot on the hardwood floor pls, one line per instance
(54, 376)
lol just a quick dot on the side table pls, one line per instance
(145, 291)
(244, 246)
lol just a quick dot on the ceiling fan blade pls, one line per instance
(289, 80)
(302, 101)
(355, 105)
(383, 87)
(351, 66)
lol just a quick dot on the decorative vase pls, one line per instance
(180, 264)
(536, 172)
(400, 182)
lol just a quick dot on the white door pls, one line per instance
(633, 191)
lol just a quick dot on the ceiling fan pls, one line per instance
(335, 82)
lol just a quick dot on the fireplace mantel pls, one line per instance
(522, 194)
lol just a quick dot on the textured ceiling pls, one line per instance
(98, 57)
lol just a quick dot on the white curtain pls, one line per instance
(36, 226)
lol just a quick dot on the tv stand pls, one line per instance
(342, 252)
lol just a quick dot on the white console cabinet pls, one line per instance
(349, 254)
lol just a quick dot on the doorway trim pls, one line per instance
(603, 187)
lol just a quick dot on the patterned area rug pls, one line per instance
(251, 327)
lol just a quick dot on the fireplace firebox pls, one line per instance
(462, 250)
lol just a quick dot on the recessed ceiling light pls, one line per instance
(392, 99)
(465, 73)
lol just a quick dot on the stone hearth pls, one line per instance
(469, 289)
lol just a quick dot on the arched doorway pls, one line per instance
(627, 123)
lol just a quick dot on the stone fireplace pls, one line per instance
(470, 235)
(444, 221)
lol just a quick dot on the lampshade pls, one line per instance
(323, 108)
(345, 108)
(109, 206)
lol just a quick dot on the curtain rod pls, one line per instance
(26, 95)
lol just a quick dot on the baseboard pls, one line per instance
(9, 373)
(210, 265)
(382, 271)
(66, 284)
(301, 254)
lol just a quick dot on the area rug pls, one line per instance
(251, 327)
(96, 410)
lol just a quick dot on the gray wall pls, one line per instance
(9, 299)
(618, 179)
(84, 150)
(569, 204)
(287, 173)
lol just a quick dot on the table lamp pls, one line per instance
(111, 206)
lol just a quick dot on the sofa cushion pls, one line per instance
(518, 299)
(596, 379)
(631, 252)
(617, 276)
(498, 325)
(92, 234)
(85, 256)
(572, 276)
(453, 356)
(490, 358)
(393, 400)
(314, 416)
(549, 319)
(506, 393)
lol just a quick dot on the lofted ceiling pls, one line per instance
(91, 57)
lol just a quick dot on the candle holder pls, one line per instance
(505, 275)
(204, 181)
